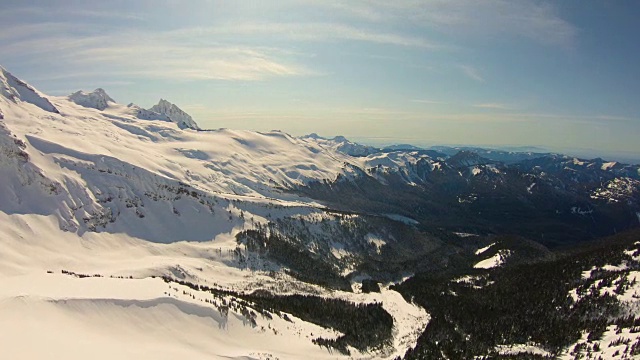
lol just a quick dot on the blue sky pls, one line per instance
(554, 74)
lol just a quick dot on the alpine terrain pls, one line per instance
(133, 233)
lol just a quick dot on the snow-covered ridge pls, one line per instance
(145, 114)
(466, 158)
(342, 144)
(97, 99)
(131, 175)
(16, 90)
(163, 111)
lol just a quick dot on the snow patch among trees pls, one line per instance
(496, 260)
(481, 250)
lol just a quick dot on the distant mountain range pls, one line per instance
(336, 245)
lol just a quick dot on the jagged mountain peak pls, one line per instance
(16, 90)
(312, 136)
(175, 114)
(97, 99)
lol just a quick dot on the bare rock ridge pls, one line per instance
(16, 90)
(97, 99)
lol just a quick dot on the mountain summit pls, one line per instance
(175, 114)
(97, 99)
(164, 110)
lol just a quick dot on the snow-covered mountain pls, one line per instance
(117, 222)
(117, 193)
(175, 114)
(343, 145)
(99, 164)
(97, 99)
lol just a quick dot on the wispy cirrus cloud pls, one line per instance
(602, 119)
(312, 32)
(428, 101)
(68, 11)
(471, 72)
(485, 105)
(533, 20)
(224, 52)
(142, 54)
(493, 106)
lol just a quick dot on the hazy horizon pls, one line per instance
(559, 75)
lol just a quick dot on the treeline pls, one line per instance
(524, 304)
(364, 326)
(307, 246)
(303, 264)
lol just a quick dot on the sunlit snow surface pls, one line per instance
(103, 192)
(496, 260)
(115, 316)
(614, 343)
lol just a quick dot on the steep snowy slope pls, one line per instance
(17, 91)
